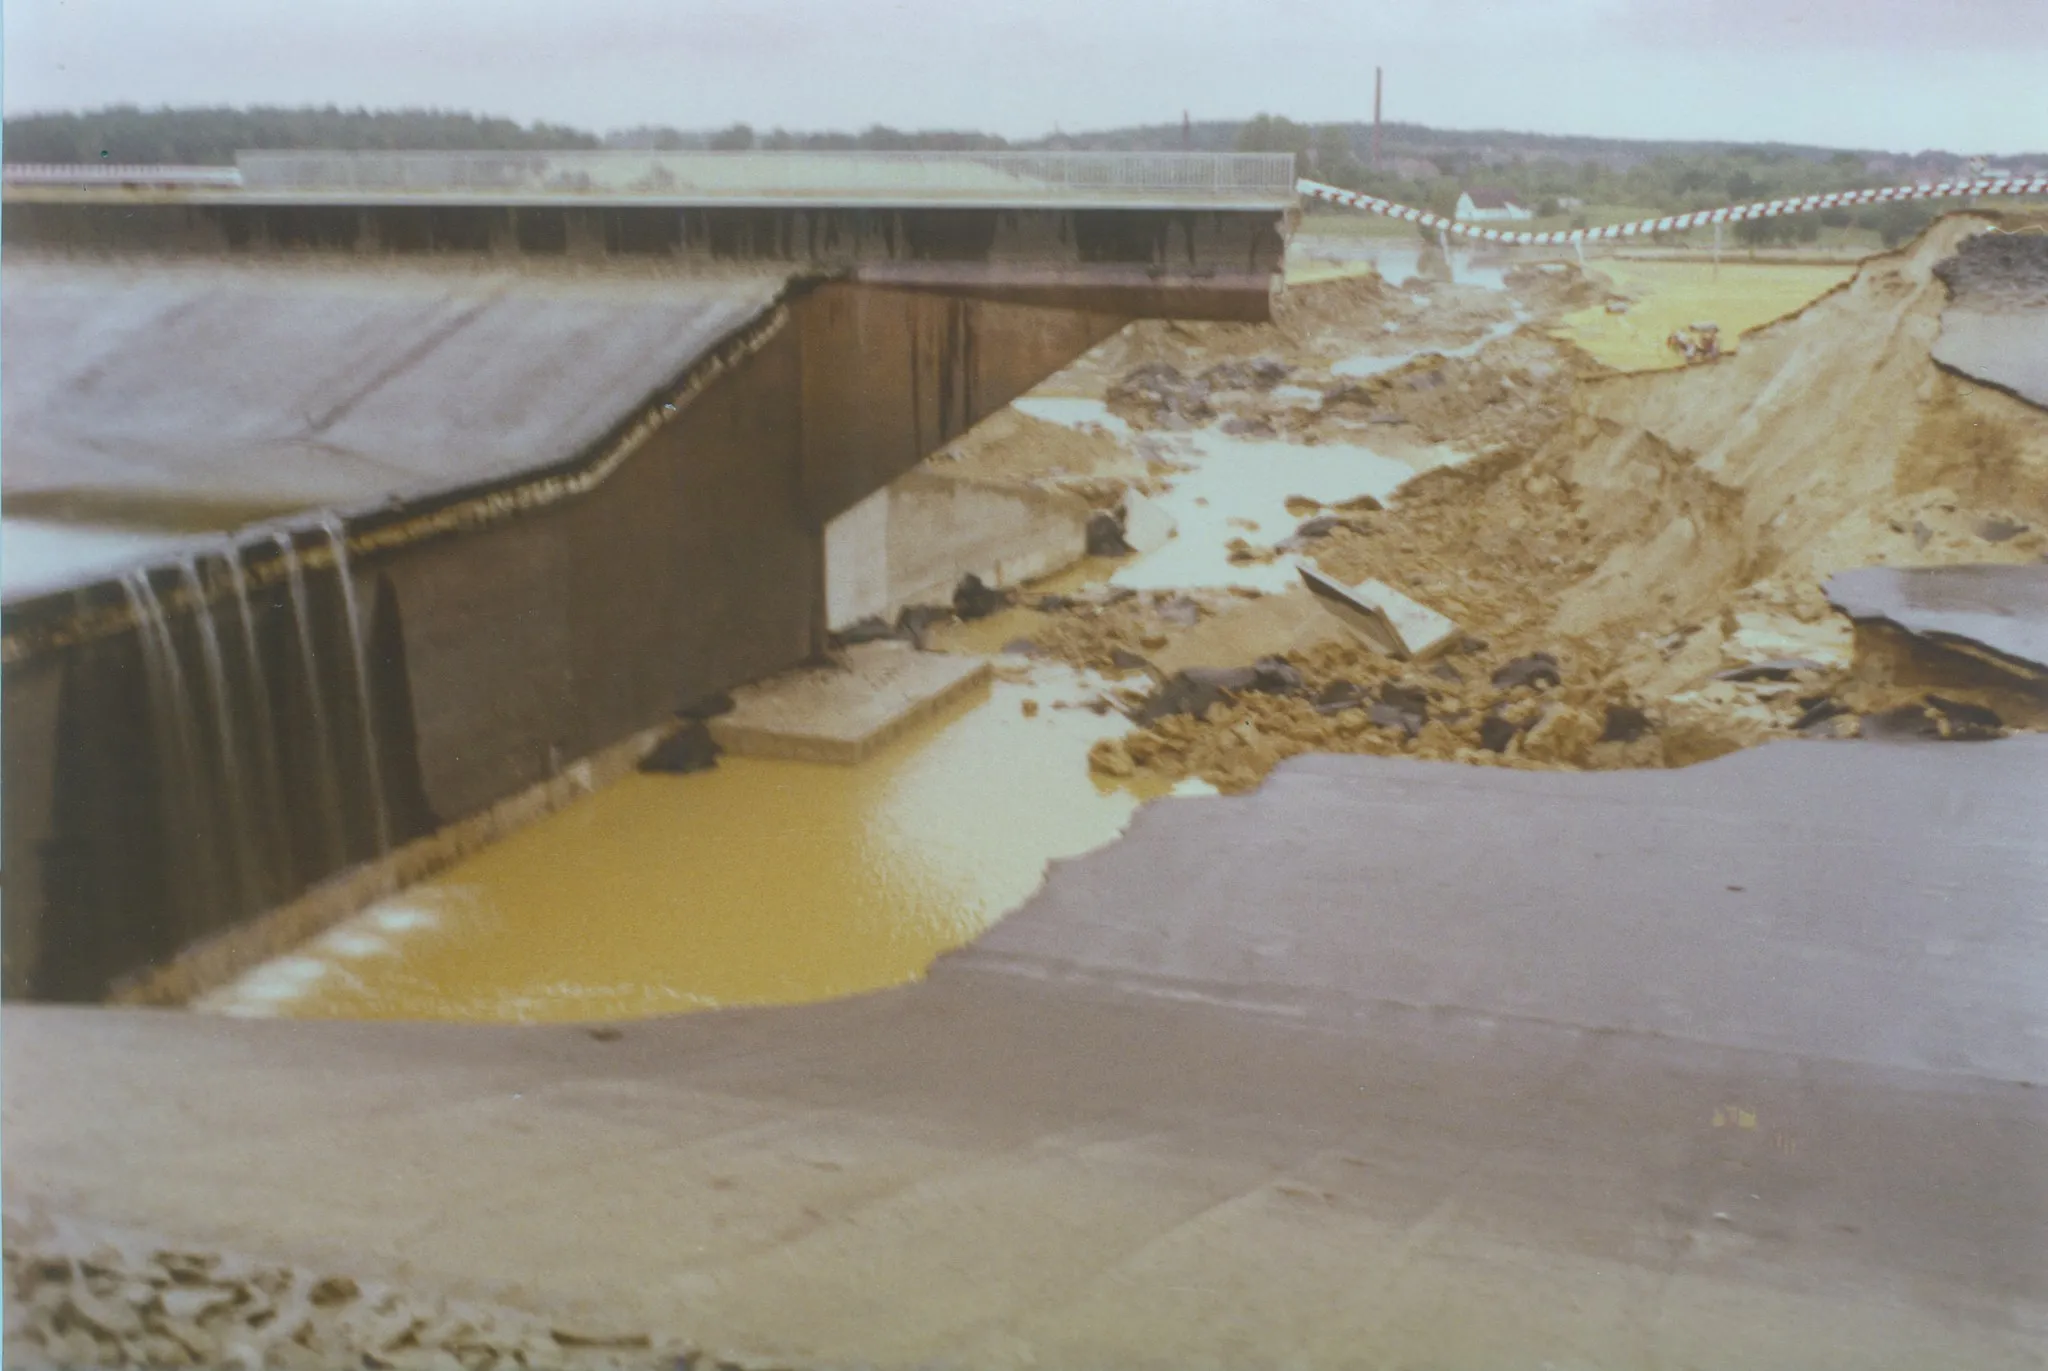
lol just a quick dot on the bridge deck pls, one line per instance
(598, 180)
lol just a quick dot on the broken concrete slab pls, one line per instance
(1385, 618)
(1194, 690)
(1996, 614)
(1242, 631)
(844, 714)
(1147, 524)
(2008, 350)
(1995, 326)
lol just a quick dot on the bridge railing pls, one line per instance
(117, 174)
(1049, 176)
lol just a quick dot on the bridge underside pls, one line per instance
(583, 459)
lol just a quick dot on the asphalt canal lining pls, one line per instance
(1703, 1067)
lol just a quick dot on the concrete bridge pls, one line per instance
(349, 496)
(1161, 234)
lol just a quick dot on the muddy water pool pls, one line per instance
(759, 882)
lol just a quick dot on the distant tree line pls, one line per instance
(744, 138)
(210, 137)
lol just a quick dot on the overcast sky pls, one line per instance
(1965, 75)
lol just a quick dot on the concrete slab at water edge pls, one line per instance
(844, 713)
(2003, 348)
(1995, 327)
(2002, 610)
(1718, 1066)
(1382, 616)
(1682, 903)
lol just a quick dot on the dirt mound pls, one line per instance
(1555, 286)
(1012, 446)
(1999, 270)
(1516, 391)
(1670, 500)
(1341, 302)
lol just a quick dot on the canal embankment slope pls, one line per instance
(1433, 1062)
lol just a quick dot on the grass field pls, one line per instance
(1669, 295)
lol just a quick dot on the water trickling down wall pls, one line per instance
(204, 742)
(262, 750)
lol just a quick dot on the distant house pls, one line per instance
(1482, 202)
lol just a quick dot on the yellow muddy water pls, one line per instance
(759, 882)
(1670, 295)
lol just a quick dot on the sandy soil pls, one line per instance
(1648, 532)
(81, 1297)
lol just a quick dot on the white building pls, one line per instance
(1483, 203)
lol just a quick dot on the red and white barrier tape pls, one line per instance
(1770, 209)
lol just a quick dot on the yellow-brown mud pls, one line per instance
(759, 882)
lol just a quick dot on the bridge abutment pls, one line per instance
(508, 631)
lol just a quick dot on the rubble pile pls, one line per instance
(1468, 705)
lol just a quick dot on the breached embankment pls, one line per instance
(1662, 533)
